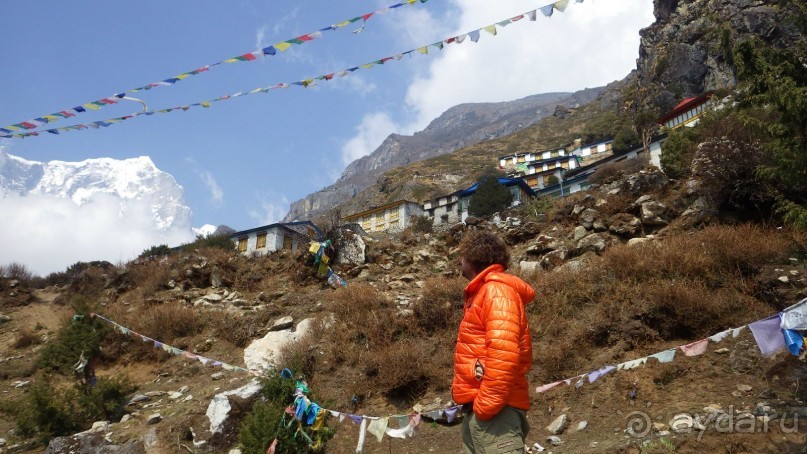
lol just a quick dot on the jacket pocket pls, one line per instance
(479, 370)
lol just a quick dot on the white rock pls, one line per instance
(217, 375)
(174, 395)
(154, 418)
(219, 407)
(582, 425)
(744, 388)
(2, 442)
(558, 425)
(125, 419)
(99, 426)
(183, 389)
(262, 353)
(553, 440)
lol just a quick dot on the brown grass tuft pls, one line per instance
(25, 337)
(440, 306)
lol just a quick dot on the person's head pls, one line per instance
(478, 250)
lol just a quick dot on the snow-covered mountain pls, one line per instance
(130, 180)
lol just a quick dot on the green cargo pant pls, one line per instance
(504, 433)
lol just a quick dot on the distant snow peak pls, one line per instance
(133, 179)
(205, 230)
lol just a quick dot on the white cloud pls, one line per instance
(102, 229)
(374, 128)
(589, 45)
(216, 194)
(272, 208)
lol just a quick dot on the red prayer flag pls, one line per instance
(248, 57)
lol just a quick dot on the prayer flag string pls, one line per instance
(305, 83)
(249, 56)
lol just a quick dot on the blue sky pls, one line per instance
(242, 161)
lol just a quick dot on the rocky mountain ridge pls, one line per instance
(686, 51)
(458, 127)
(128, 180)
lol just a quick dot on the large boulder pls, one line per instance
(543, 244)
(92, 443)
(350, 248)
(261, 354)
(624, 224)
(521, 233)
(221, 405)
(596, 242)
(654, 213)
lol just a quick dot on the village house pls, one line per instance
(577, 179)
(687, 112)
(391, 217)
(593, 149)
(453, 208)
(519, 161)
(274, 237)
(540, 174)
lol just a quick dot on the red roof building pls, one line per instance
(686, 113)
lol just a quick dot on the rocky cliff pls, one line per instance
(459, 127)
(687, 51)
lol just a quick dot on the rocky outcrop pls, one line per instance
(686, 51)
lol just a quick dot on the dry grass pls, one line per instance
(25, 337)
(684, 288)
(440, 306)
(614, 170)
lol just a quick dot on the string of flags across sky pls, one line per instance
(22, 131)
(249, 56)
(783, 331)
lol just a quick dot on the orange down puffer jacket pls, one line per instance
(494, 348)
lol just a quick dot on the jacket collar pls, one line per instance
(481, 278)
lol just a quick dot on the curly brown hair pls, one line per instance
(482, 249)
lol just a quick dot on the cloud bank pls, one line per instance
(48, 233)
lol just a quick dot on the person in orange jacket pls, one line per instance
(494, 349)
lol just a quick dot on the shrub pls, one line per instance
(367, 316)
(222, 242)
(50, 411)
(15, 270)
(490, 197)
(724, 170)
(535, 207)
(611, 171)
(420, 224)
(81, 334)
(440, 307)
(266, 421)
(155, 251)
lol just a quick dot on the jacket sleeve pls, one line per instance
(502, 312)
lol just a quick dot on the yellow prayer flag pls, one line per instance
(366, 66)
(560, 5)
(314, 247)
(205, 103)
(342, 24)
(91, 106)
(423, 50)
(491, 29)
(282, 46)
(182, 76)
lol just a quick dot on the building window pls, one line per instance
(261, 241)
(394, 215)
(242, 245)
(287, 242)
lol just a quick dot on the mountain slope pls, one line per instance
(458, 127)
